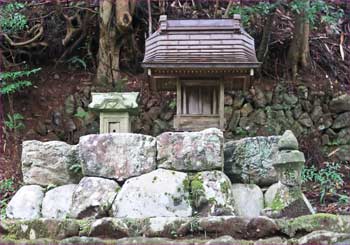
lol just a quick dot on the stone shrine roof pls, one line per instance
(114, 101)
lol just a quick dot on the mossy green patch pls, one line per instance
(309, 223)
(225, 187)
(277, 204)
(187, 183)
(197, 190)
(84, 226)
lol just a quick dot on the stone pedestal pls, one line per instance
(115, 110)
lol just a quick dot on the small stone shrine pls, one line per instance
(200, 59)
(285, 198)
(115, 110)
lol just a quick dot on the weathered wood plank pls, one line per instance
(196, 122)
(214, 101)
(221, 105)
(178, 97)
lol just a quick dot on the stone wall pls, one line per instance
(189, 184)
(320, 114)
(324, 115)
(139, 176)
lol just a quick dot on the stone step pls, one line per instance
(235, 227)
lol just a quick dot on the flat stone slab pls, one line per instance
(118, 155)
(191, 151)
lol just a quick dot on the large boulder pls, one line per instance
(340, 103)
(190, 151)
(49, 163)
(211, 194)
(118, 156)
(26, 203)
(250, 160)
(57, 202)
(248, 199)
(93, 197)
(161, 193)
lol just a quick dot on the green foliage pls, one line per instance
(11, 20)
(197, 189)
(329, 178)
(315, 10)
(6, 190)
(11, 82)
(81, 114)
(75, 168)
(172, 104)
(50, 187)
(343, 199)
(262, 9)
(326, 12)
(14, 121)
(76, 63)
(277, 204)
(241, 132)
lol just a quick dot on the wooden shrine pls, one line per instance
(200, 59)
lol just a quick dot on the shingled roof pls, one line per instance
(200, 43)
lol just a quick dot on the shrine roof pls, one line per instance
(200, 43)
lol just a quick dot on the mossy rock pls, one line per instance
(310, 223)
(42, 241)
(42, 228)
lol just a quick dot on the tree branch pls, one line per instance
(36, 37)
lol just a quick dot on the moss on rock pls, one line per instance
(42, 228)
(309, 223)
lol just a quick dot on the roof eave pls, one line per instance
(242, 65)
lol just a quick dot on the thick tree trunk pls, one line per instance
(115, 19)
(299, 51)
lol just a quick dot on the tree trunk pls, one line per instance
(264, 44)
(115, 19)
(2, 119)
(299, 52)
(263, 47)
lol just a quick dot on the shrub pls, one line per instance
(329, 178)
